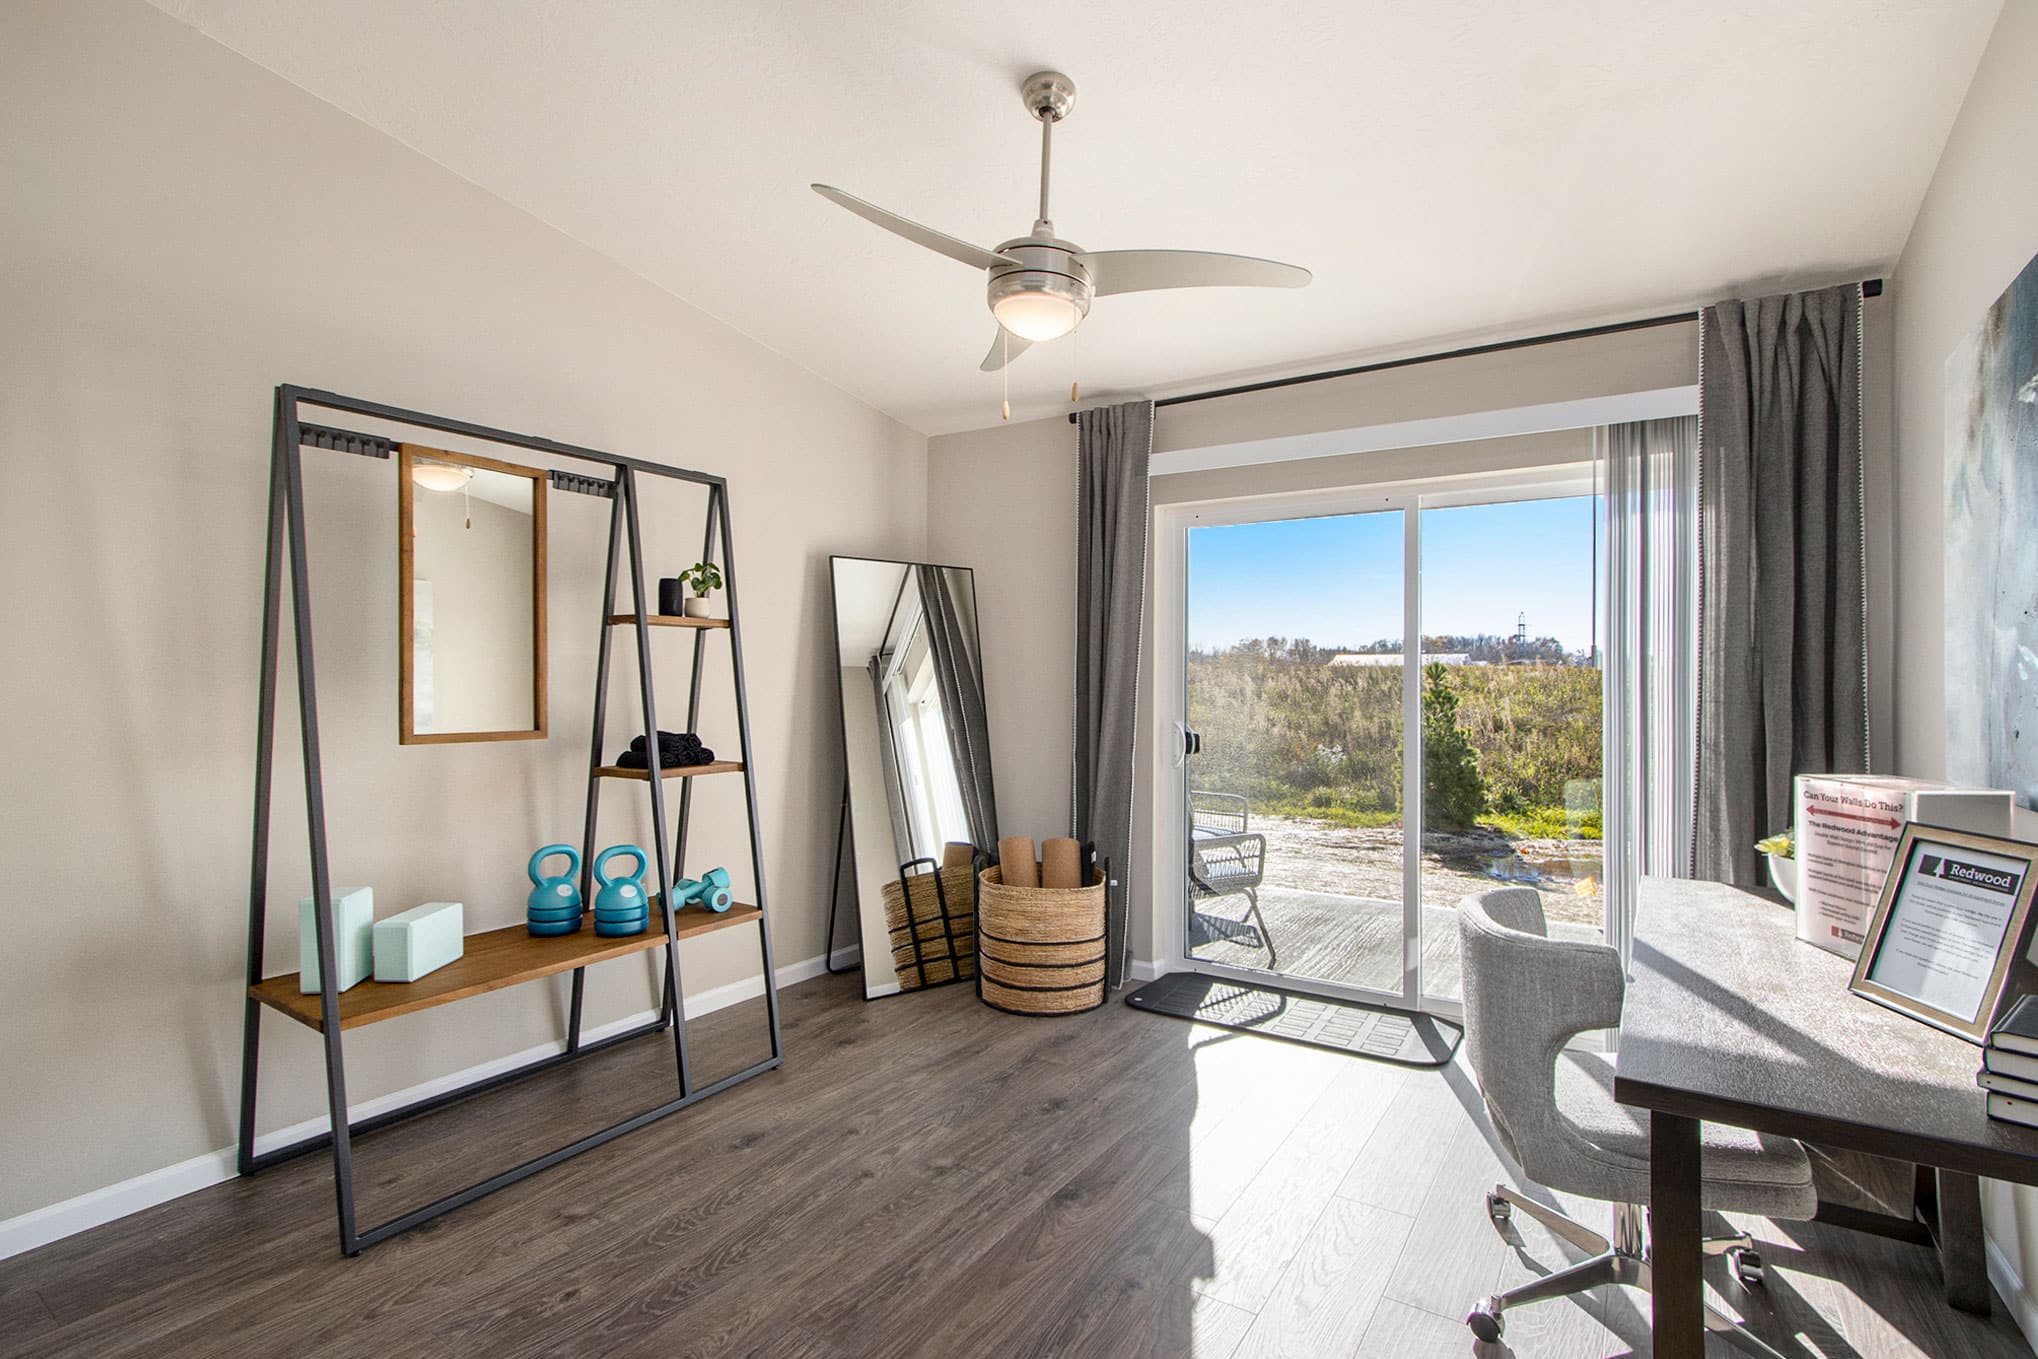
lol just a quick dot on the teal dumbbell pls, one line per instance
(710, 889)
(553, 906)
(620, 906)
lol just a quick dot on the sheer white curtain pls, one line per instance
(1648, 485)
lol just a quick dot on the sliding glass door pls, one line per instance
(1380, 711)
(1293, 786)
(1512, 730)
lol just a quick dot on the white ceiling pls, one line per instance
(1451, 169)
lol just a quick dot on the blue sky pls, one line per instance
(1337, 580)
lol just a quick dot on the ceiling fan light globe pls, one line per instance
(439, 476)
(1037, 317)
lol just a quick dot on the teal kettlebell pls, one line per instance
(620, 906)
(553, 906)
(552, 895)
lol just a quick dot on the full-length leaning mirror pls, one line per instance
(470, 598)
(916, 746)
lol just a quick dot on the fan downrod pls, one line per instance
(1049, 95)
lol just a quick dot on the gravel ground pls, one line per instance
(1314, 856)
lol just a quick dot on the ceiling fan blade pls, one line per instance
(1141, 271)
(934, 240)
(1005, 346)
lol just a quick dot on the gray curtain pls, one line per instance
(1649, 485)
(1114, 444)
(1782, 684)
(952, 642)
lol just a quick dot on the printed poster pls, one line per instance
(1847, 830)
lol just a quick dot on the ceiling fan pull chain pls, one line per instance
(1075, 360)
(1005, 371)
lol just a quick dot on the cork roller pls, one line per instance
(1015, 857)
(1061, 863)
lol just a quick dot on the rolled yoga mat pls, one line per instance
(1061, 863)
(1015, 856)
(958, 854)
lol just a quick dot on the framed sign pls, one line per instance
(1949, 928)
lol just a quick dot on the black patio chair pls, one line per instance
(1225, 858)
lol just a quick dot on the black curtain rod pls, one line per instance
(1869, 288)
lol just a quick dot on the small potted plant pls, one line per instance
(1781, 851)
(701, 578)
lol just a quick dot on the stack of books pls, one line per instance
(2009, 1064)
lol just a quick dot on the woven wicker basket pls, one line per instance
(1040, 950)
(945, 951)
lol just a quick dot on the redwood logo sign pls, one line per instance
(1974, 875)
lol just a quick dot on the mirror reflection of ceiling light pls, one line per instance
(441, 477)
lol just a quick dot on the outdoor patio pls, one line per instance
(1328, 937)
(1331, 898)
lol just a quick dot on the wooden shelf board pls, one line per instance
(685, 771)
(493, 959)
(666, 620)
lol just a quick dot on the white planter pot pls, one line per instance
(700, 606)
(1783, 872)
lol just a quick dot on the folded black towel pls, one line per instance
(675, 750)
(681, 741)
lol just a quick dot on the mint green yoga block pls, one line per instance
(421, 940)
(353, 939)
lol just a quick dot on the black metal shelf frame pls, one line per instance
(287, 544)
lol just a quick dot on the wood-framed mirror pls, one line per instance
(470, 598)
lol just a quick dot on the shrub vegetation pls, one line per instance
(1513, 746)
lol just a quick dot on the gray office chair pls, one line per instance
(1526, 996)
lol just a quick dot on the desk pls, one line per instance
(1728, 1017)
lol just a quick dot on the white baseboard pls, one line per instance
(2009, 1285)
(1143, 970)
(88, 1210)
(41, 1226)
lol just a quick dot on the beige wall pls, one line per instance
(1003, 501)
(180, 231)
(1977, 228)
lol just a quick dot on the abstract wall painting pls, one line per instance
(1992, 547)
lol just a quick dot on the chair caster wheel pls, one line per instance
(1747, 1267)
(1499, 1209)
(1485, 1321)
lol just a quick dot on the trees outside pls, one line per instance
(1453, 792)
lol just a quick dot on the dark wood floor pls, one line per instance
(926, 1177)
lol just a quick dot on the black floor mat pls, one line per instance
(1340, 1025)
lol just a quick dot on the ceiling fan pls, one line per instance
(1041, 286)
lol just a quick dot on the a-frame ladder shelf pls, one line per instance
(496, 959)
(493, 960)
(666, 620)
(682, 771)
